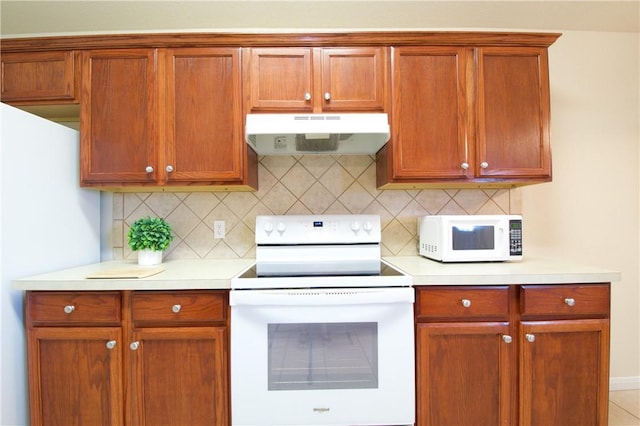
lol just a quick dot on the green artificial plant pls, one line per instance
(149, 233)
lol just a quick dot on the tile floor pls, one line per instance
(624, 408)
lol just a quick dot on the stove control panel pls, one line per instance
(318, 229)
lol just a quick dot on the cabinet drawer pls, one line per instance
(52, 308)
(179, 307)
(462, 303)
(582, 300)
(39, 77)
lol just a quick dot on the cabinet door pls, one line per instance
(279, 79)
(564, 372)
(75, 376)
(179, 376)
(513, 113)
(464, 374)
(40, 77)
(429, 113)
(118, 116)
(204, 138)
(353, 79)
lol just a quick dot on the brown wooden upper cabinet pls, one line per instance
(167, 111)
(315, 80)
(162, 117)
(513, 113)
(429, 113)
(204, 134)
(463, 115)
(119, 132)
(40, 77)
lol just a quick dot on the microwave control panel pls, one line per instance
(515, 237)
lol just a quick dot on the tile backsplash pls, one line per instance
(314, 184)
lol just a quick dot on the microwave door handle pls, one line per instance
(504, 248)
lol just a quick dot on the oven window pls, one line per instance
(310, 356)
(473, 237)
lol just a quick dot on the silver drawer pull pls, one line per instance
(466, 303)
(530, 337)
(134, 345)
(176, 308)
(111, 344)
(507, 338)
(69, 308)
(570, 301)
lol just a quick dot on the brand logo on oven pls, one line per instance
(321, 409)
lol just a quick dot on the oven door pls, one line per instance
(322, 357)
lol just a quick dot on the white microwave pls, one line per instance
(471, 238)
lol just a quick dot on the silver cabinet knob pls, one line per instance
(149, 169)
(484, 164)
(530, 337)
(134, 345)
(464, 166)
(169, 168)
(466, 302)
(307, 96)
(111, 344)
(176, 308)
(570, 301)
(69, 308)
(506, 338)
(327, 96)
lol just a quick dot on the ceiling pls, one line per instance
(52, 17)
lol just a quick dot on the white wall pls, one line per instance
(589, 213)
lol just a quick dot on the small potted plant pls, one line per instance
(149, 236)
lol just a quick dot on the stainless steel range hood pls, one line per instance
(288, 134)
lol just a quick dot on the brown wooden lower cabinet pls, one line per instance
(144, 358)
(75, 376)
(564, 374)
(464, 374)
(543, 360)
(486, 355)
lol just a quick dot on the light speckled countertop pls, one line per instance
(176, 275)
(527, 271)
(217, 274)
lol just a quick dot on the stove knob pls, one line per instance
(268, 228)
(355, 227)
(368, 226)
(281, 227)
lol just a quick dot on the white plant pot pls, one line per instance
(149, 257)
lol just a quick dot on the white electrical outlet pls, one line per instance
(218, 229)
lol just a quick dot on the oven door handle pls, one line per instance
(319, 297)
